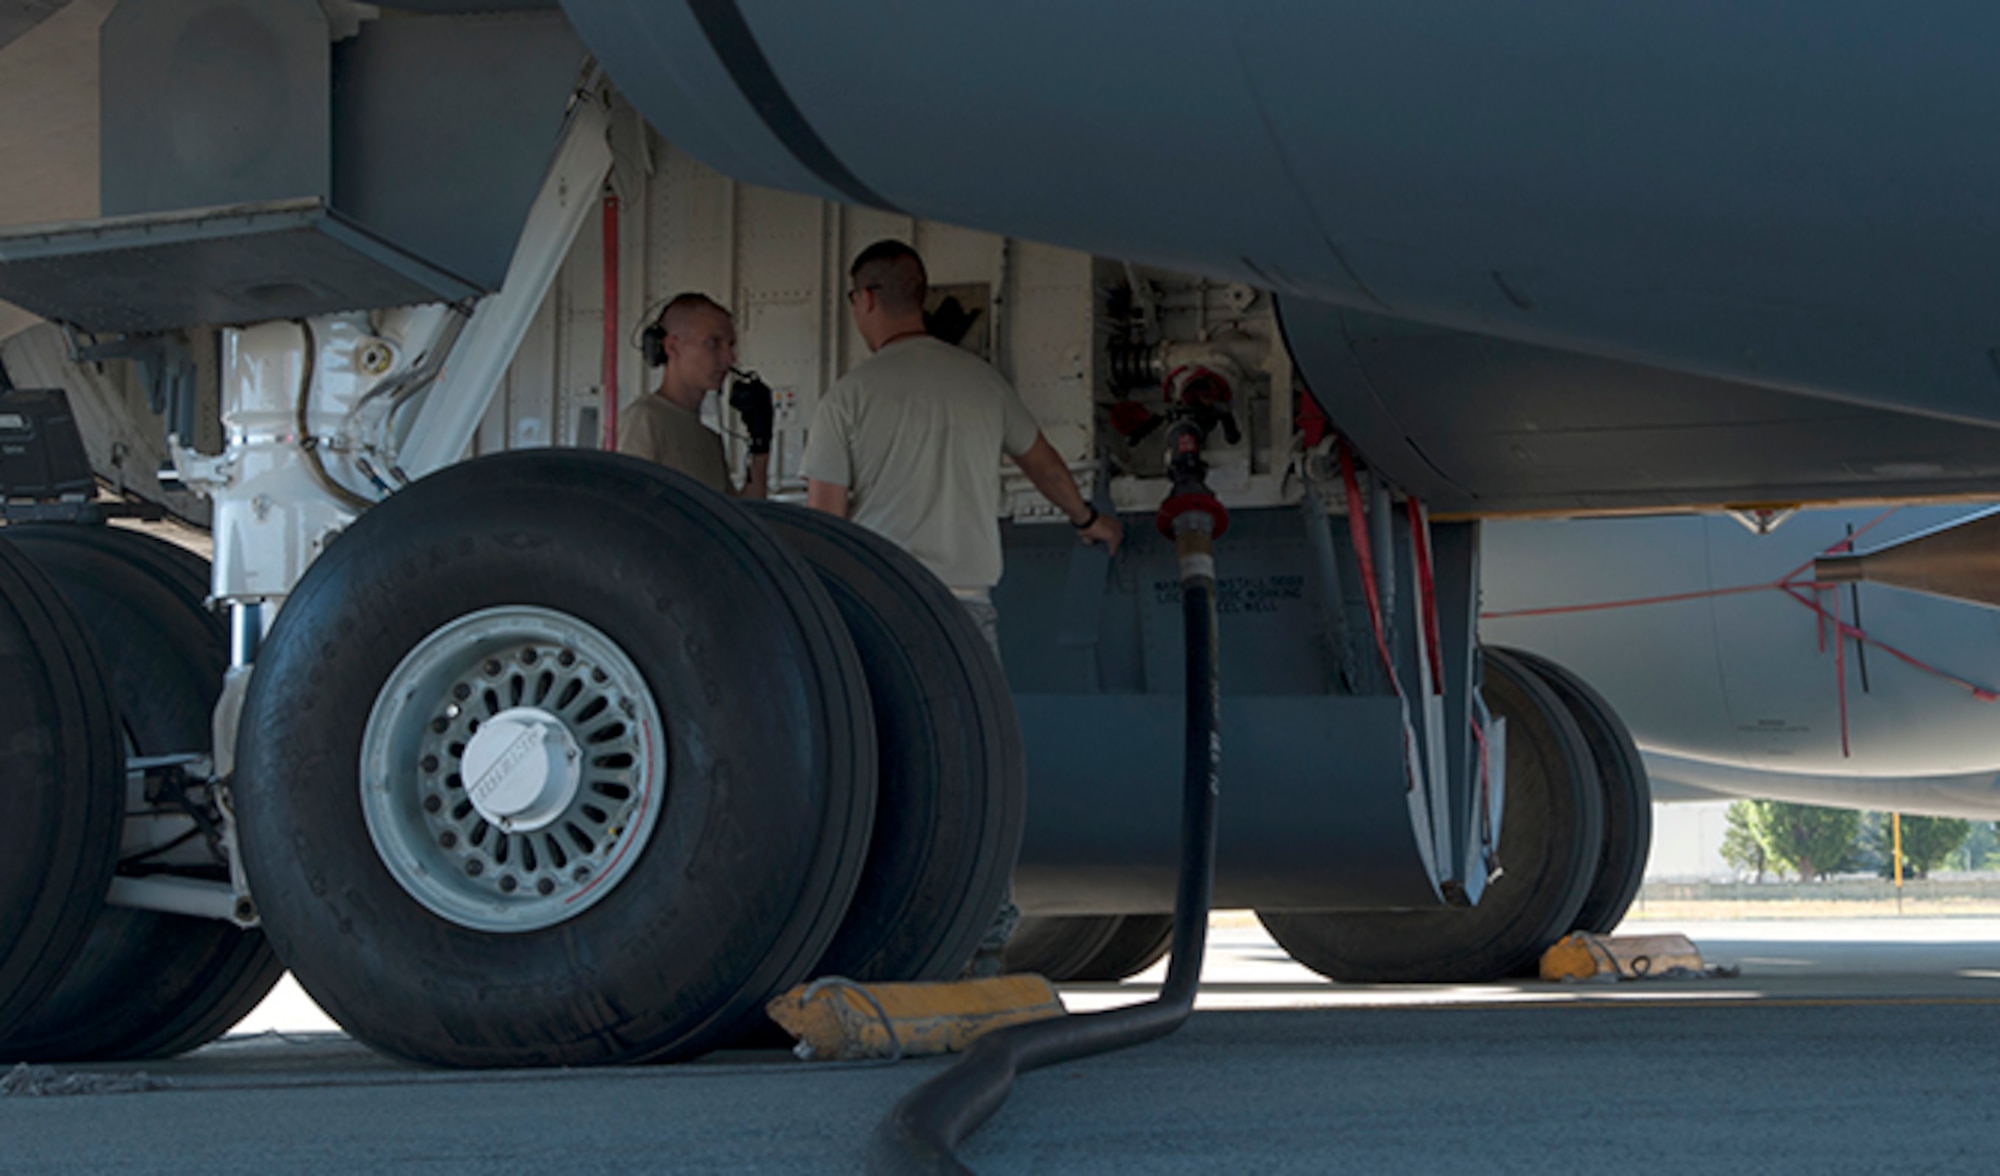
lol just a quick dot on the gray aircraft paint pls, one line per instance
(1741, 196)
(1670, 211)
(1731, 692)
(1744, 191)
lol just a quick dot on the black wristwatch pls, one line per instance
(1087, 519)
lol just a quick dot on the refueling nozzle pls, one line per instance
(1190, 494)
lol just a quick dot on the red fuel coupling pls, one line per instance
(1197, 500)
(1191, 492)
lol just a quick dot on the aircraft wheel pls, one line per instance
(953, 792)
(1059, 946)
(554, 759)
(1139, 942)
(1628, 799)
(146, 984)
(1549, 842)
(61, 785)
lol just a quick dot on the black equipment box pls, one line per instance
(41, 452)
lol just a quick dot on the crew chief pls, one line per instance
(908, 443)
(693, 343)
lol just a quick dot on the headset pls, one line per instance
(653, 338)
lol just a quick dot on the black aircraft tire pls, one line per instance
(146, 984)
(1139, 942)
(953, 792)
(704, 847)
(62, 773)
(1628, 798)
(1549, 840)
(1058, 946)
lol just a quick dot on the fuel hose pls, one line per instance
(920, 1135)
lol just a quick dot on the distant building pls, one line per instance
(1687, 843)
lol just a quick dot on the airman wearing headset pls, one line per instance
(693, 343)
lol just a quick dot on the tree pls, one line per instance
(1740, 848)
(1873, 847)
(1927, 842)
(1806, 839)
(1979, 849)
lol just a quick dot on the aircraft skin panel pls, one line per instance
(1657, 666)
(1972, 796)
(1730, 671)
(1638, 309)
(1738, 192)
(20, 16)
(998, 143)
(48, 139)
(658, 56)
(1477, 424)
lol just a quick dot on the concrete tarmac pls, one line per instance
(1844, 1046)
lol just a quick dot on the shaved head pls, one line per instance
(686, 314)
(895, 273)
(696, 341)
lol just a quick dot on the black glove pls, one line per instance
(751, 398)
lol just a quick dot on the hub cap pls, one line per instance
(512, 769)
(520, 769)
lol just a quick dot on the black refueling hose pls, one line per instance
(921, 1133)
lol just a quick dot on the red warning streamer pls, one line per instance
(1805, 592)
(1364, 554)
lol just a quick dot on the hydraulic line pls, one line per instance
(608, 361)
(920, 1134)
(309, 443)
(400, 388)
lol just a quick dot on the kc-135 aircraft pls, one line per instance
(517, 753)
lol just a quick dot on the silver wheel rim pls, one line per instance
(574, 682)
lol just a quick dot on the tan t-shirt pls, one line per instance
(915, 432)
(659, 430)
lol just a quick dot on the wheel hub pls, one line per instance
(522, 769)
(512, 769)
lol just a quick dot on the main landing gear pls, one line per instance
(1573, 843)
(140, 983)
(561, 759)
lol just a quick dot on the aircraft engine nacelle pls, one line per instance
(1717, 647)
